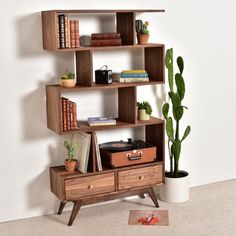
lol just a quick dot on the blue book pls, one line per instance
(134, 75)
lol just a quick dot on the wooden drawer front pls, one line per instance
(79, 187)
(140, 177)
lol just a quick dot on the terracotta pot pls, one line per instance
(67, 83)
(142, 38)
(142, 115)
(70, 165)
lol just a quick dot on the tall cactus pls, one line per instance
(176, 97)
(139, 26)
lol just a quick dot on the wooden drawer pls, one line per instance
(140, 177)
(79, 187)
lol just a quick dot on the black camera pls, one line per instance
(103, 76)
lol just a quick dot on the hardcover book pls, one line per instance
(105, 36)
(105, 42)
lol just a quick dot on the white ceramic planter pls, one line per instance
(142, 115)
(175, 189)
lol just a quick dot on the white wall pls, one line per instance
(203, 32)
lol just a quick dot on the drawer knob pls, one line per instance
(90, 186)
(141, 177)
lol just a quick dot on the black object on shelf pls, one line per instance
(103, 76)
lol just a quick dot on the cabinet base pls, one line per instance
(80, 202)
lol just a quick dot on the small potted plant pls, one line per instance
(144, 110)
(142, 31)
(70, 162)
(68, 80)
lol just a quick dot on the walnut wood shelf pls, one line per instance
(94, 186)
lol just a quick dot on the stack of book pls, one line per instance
(96, 121)
(130, 76)
(68, 114)
(67, 32)
(105, 39)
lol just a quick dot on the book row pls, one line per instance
(67, 32)
(68, 114)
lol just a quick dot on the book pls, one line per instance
(95, 121)
(149, 217)
(134, 75)
(134, 71)
(105, 36)
(67, 32)
(130, 80)
(105, 42)
(61, 21)
(98, 155)
(77, 42)
(83, 142)
(72, 33)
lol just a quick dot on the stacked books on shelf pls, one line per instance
(96, 121)
(67, 32)
(68, 114)
(105, 39)
(130, 76)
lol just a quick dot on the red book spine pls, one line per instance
(72, 33)
(68, 114)
(105, 42)
(105, 36)
(64, 109)
(61, 114)
(74, 112)
(77, 42)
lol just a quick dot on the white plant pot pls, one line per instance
(175, 189)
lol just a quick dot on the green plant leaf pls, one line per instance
(165, 110)
(177, 149)
(180, 85)
(186, 132)
(178, 112)
(180, 63)
(169, 129)
(169, 66)
(175, 99)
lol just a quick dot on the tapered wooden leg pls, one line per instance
(142, 195)
(62, 204)
(153, 196)
(77, 205)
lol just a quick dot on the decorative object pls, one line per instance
(176, 187)
(144, 110)
(68, 80)
(70, 162)
(142, 31)
(103, 76)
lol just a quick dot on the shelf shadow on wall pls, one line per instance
(159, 93)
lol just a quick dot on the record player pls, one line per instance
(120, 153)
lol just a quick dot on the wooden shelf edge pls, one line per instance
(84, 127)
(99, 48)
(84, 11)
(114, 85)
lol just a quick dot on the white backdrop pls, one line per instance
(203, 32)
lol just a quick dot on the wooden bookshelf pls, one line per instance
(95, 186)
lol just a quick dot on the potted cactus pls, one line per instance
(176, 187)
(68, 80)
(70, 162)
(142, 31)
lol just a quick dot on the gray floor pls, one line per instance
(210, 211)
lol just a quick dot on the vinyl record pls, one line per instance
(117, 146)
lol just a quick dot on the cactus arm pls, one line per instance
(186, 132)
(169, 65)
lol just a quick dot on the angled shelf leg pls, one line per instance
(153, 196)
(61, 207)
(76, 208)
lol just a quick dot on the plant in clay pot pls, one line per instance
(142, 31)
(70, 162)
(68, 80)
(144, 110)
(176, 181)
